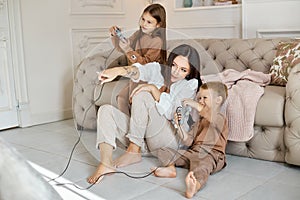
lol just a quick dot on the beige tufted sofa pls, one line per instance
(277, 119)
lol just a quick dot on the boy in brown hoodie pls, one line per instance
(207, 140)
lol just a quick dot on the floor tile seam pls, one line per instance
(44, 151)
(12, 144)
(49, 152)
(162, 184)
(144, 192)
(253, 189)
(39, 147)
(252, 175)
(87, 163)
(283, 183)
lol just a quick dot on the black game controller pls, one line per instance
(120, 35)
(185, 112)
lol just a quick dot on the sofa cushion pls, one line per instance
(287, 56)
(270, 107)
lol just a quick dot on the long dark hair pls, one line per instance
(158, 12)
(193, 57)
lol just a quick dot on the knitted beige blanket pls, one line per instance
(244, 91)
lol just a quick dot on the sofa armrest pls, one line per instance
(107, 93)
(85, 82)
(292, 117)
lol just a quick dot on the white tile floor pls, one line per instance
(50, 145)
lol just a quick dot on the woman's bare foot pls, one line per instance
(127, 158)
(166, 172)
(99, 173)
(192, 185)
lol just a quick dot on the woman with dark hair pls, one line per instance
(150, 126)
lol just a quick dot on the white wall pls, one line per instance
(200, 22)
(48, 60)
(90, 23)
(58, 34)
(271, 18)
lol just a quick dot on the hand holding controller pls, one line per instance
(120, 35)
(183, 112)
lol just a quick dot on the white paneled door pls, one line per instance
(8, 103)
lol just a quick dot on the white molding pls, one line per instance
(266, 1)
(8, 103)
(204, 31)
(5, 81)
(273, 33)
(206, 26)
(18, 51)
(47, 117)
(2, 4)
(179, 9)
(246, 3)
(84, 40)
(97, 7)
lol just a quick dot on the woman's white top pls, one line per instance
(179, 90)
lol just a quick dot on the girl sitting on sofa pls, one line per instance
(148, 44)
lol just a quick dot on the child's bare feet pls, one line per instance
(99, 173)
(192, 185)
(127, 158)
(166, 172)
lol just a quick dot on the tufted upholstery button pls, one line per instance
(82, 108)
(83, 71)
(82, 90)
(278, 148)
(247, 145)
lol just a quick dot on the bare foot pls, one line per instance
(192, 185)
(99, 173)
(166, 172)
(127, 158)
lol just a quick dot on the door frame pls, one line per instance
(18, 61)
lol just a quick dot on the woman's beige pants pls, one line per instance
(146, 127)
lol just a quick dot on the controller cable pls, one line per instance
(83, 120)
(109, 173)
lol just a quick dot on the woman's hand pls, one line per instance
(146, 87)
(109, 74)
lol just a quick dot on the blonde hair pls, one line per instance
(219, 88)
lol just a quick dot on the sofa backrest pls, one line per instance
(216, 55)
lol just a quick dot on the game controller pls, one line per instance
(184, 111)
(120, 35)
